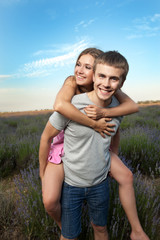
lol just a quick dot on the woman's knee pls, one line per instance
(128, 176)
(50, 203)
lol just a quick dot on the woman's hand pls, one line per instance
(102, 126)
(94, 112)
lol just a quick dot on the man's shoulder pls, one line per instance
(80, 98)
(114, 102)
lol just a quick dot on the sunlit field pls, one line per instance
(22, 215)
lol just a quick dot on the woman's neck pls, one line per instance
(83, 89)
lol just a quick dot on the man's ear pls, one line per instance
(121, 85)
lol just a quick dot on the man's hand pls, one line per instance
(102, 126)
(94, 112)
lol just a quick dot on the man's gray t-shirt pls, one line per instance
(86, 159)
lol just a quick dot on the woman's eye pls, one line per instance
(88, 67)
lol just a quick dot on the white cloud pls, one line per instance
(59, 48)
(135, 36)
(145, 27)
(155, 17)
(99, 3)
(83, 24)
(4, 77)
(59, 60)
(46, 65)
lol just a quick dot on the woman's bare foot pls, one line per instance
(141, 235)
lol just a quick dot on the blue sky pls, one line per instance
(41, 39)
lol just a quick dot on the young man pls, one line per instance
(87, 158)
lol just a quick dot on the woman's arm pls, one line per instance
(127, 106)
(63, 105)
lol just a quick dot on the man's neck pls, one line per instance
(99, 102)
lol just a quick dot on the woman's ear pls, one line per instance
(93, 77)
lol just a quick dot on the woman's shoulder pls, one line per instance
(70, 81)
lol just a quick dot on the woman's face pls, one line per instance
(84, 71)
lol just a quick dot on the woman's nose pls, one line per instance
(81, 69)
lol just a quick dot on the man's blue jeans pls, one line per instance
(97, 198)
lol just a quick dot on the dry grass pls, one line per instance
(40, 112)
(25, 113)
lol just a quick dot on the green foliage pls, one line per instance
(7, 159)
(37, 224)
(147, 206)
(9, 219)
(35, 221)
(139, 147)
(19, 142)
(140, 140)
(7, 208)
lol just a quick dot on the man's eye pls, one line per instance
(114, 79)
(101, 76)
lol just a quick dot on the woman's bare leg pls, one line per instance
(127, 196)
(51, 190)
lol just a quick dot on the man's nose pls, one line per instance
(107, 82)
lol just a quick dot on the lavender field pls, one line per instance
(22, 215)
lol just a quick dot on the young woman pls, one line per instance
(52, 177)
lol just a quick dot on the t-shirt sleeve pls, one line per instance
(115, 103)
(58, 121)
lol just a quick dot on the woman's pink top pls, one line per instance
(56, 149)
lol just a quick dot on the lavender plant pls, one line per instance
(19, 142)
(141, 146)
(148, 206)
(9, 221)
(140, 142)
(38, 224)
(6, 208)
(35, 222)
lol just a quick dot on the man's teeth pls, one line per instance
(104, 91)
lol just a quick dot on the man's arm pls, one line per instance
(45, 142)
(115, 142)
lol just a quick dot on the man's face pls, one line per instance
(107, 80)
